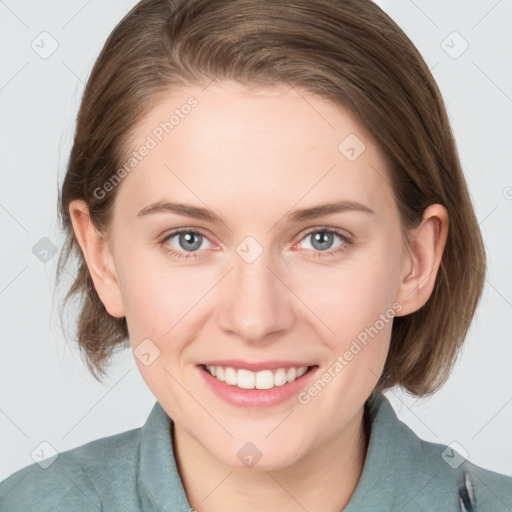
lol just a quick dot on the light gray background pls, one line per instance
(46, 394)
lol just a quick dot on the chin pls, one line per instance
(260, 456)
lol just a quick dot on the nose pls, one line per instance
(255, 302)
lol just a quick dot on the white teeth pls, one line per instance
(291, 374)
(245, 379)
(265, 379)
(230, 376)
(280, 377)
(301, 371)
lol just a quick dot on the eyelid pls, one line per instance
(173, 232)
(339, 231)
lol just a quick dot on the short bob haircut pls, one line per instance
(346, 51)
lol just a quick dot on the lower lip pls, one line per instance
(257, 397)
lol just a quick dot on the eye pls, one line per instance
(322, 241)
(184, 243)
(189, 243)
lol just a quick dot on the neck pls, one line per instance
(323, 480)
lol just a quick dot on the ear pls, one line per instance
(98, 258)
(423, 258)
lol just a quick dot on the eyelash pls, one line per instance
(316, 254)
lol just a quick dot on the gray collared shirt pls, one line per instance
(136, 471)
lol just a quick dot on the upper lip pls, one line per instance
(255, 366)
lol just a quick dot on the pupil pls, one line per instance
(189, 239)
(323, 239)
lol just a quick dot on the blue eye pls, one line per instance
(188, 240)
(190, 243)
(322, 240)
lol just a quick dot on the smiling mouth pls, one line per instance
(264, 379)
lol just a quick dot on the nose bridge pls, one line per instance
(254, 302)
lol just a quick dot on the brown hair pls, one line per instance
(346, 51)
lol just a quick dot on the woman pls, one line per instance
(267, 202)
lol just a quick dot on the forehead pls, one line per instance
(266, 147)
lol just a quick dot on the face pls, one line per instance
(270, 281)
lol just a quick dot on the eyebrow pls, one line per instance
(299, 215)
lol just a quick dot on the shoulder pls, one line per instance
(477, 488)
(452, 473)
(74, 479)
(491, 490)
(424, 474)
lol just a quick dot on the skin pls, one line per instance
(251, 157)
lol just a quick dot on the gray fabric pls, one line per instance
(136, 471)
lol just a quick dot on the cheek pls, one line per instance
(356, 312)
(166, 301)
(152, 295)
(163, 300)
(352, 297)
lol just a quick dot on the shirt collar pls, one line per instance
(401, 471)
(159, 483)
(389, 454)
(375, 488)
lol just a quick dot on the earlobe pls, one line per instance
(98, 257)
(424, 254)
